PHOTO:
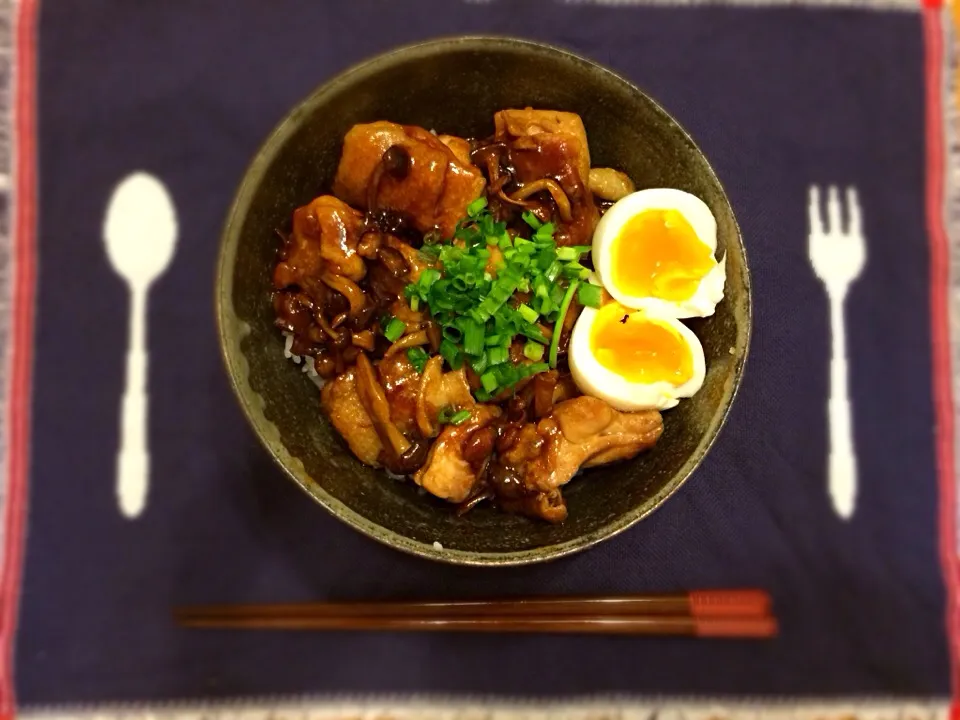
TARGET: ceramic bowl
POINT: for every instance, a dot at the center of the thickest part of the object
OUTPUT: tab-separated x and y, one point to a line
454	85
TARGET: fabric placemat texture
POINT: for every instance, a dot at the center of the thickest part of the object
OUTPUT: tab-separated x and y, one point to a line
781	97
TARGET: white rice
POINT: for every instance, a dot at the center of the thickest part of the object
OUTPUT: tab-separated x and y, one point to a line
437	545
308	366
287	345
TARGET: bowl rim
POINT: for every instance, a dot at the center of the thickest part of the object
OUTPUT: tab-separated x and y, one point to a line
223	305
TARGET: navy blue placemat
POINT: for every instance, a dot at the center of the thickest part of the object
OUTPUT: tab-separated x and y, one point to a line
778	98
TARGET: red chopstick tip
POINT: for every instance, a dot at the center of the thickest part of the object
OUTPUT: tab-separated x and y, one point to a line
731	627
729	603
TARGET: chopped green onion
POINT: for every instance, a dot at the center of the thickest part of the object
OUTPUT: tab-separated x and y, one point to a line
533	350
507	374
545	258
418	358
428	277
472	337
481	312
554	270
574	270
496	355
530	219
543	305
431	251
533	332
544	232
479	363
535	368
564	306
452	333
527	247
556	295
590	295
528	313
451	354
447	416
474	208
459	416
394	329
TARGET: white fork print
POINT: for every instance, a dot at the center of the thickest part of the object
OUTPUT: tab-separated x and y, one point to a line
837	257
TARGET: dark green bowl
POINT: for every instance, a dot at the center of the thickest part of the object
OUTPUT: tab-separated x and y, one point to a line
454	86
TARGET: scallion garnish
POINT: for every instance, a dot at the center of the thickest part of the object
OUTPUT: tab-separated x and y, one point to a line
564	306
459	416
418	358
472	337
533	350
394	329
528	313
590	295
474	208
471	295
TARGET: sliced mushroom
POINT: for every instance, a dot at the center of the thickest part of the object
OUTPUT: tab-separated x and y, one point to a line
349	289
407	341
556	192
374	400
363	339
431	374
610	184
415	260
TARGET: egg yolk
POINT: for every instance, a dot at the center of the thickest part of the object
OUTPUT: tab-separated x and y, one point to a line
638	348
658	254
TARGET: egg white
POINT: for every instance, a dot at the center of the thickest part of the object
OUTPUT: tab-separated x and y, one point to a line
710	290
595	379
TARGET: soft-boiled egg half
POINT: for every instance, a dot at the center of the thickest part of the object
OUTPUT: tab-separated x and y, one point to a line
635	359
654	250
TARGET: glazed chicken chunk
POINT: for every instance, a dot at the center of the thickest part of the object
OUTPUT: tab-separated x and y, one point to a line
459	456
324	241
538	458
341	403
403	168
568	127
584	431
550	153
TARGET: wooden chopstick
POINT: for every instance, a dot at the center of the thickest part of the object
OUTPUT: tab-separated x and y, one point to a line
719	627
714	613
702	603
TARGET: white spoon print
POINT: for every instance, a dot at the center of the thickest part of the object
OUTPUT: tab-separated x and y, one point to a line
140	233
